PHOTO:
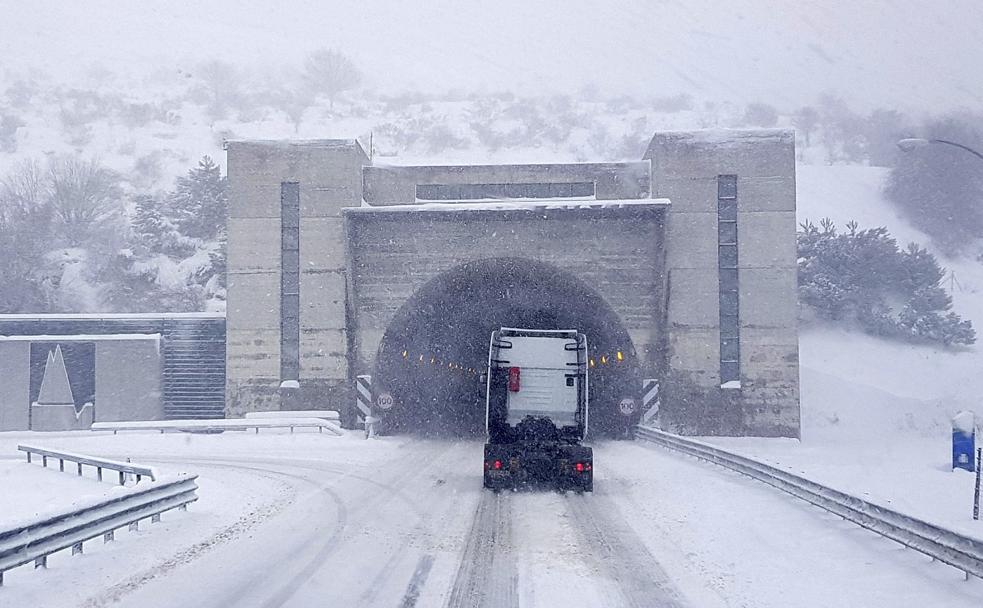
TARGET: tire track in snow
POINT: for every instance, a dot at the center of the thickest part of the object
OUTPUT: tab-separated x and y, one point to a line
487	575
399	476
621	553
246	522
435	524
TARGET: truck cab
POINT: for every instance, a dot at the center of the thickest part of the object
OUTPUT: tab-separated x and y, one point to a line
537	410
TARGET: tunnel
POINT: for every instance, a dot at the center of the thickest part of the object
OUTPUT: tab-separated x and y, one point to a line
434	353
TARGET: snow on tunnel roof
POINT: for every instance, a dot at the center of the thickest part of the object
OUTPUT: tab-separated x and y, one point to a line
513	205
109	316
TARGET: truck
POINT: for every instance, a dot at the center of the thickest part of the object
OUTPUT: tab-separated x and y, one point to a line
537	410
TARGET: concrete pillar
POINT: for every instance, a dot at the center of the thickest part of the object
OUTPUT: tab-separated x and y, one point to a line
685	167
330	176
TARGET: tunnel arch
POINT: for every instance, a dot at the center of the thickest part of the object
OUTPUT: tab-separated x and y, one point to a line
433	353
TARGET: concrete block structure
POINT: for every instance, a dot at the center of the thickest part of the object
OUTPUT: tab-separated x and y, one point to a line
63	372
680	267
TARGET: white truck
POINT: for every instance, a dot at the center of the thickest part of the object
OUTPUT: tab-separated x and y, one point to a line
537	410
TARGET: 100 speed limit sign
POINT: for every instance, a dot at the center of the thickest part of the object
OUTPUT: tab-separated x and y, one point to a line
384	401
627	406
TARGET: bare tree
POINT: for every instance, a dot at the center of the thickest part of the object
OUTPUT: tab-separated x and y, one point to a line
222	84
86	199
806	120
25	229
331	72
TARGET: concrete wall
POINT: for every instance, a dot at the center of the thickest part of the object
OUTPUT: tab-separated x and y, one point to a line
660	275
387	185
15	385
330	177
685	167
617	252
128	381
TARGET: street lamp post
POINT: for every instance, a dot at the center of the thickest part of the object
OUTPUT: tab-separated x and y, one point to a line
911	143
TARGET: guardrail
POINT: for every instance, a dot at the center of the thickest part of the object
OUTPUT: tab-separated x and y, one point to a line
957	550
219	424
99	463
36	541
280	414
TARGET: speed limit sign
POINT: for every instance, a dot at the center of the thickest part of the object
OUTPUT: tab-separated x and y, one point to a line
384	401
627	406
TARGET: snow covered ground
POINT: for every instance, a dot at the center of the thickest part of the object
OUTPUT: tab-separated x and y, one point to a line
876	414
305	520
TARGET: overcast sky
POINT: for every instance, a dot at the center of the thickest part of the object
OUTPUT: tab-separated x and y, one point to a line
914	55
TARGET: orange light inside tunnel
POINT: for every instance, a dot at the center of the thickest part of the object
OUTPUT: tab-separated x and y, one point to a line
592	362
604	359
620	356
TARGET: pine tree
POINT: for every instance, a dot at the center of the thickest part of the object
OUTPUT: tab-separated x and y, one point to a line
854	276
199	202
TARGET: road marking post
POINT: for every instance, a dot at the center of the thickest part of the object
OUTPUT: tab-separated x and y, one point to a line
363	401
976	493
650	399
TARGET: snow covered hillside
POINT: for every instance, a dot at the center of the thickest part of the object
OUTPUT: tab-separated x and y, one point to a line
903	54
876	414
845	193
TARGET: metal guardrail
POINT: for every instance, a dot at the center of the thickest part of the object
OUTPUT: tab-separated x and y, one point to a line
99	463
280	414
957	550
36	541
219	424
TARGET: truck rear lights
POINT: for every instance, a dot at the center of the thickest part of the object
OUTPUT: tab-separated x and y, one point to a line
497	465
514	379
582	467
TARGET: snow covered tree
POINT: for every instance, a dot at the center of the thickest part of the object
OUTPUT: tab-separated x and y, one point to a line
175	261
861	277
199	202
331	72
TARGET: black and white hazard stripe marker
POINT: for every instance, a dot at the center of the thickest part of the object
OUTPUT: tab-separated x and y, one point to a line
650	399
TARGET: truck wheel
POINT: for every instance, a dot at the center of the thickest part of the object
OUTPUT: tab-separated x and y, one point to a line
588	485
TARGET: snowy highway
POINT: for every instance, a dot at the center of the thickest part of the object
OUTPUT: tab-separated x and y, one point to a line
304	520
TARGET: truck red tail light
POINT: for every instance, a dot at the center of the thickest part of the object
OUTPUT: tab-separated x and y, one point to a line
497	465
514	379
582	467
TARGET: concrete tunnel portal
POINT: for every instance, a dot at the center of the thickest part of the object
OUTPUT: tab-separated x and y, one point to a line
433	355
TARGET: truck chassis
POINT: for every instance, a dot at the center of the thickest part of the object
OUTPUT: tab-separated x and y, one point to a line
567	467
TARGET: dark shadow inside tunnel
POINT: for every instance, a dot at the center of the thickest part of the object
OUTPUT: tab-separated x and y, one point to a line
433	355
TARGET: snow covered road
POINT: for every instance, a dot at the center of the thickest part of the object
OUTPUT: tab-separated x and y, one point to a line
302	521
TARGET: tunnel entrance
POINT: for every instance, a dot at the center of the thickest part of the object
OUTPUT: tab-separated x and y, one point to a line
433	355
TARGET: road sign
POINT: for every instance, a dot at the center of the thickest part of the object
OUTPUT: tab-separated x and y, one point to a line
384	401
627	406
